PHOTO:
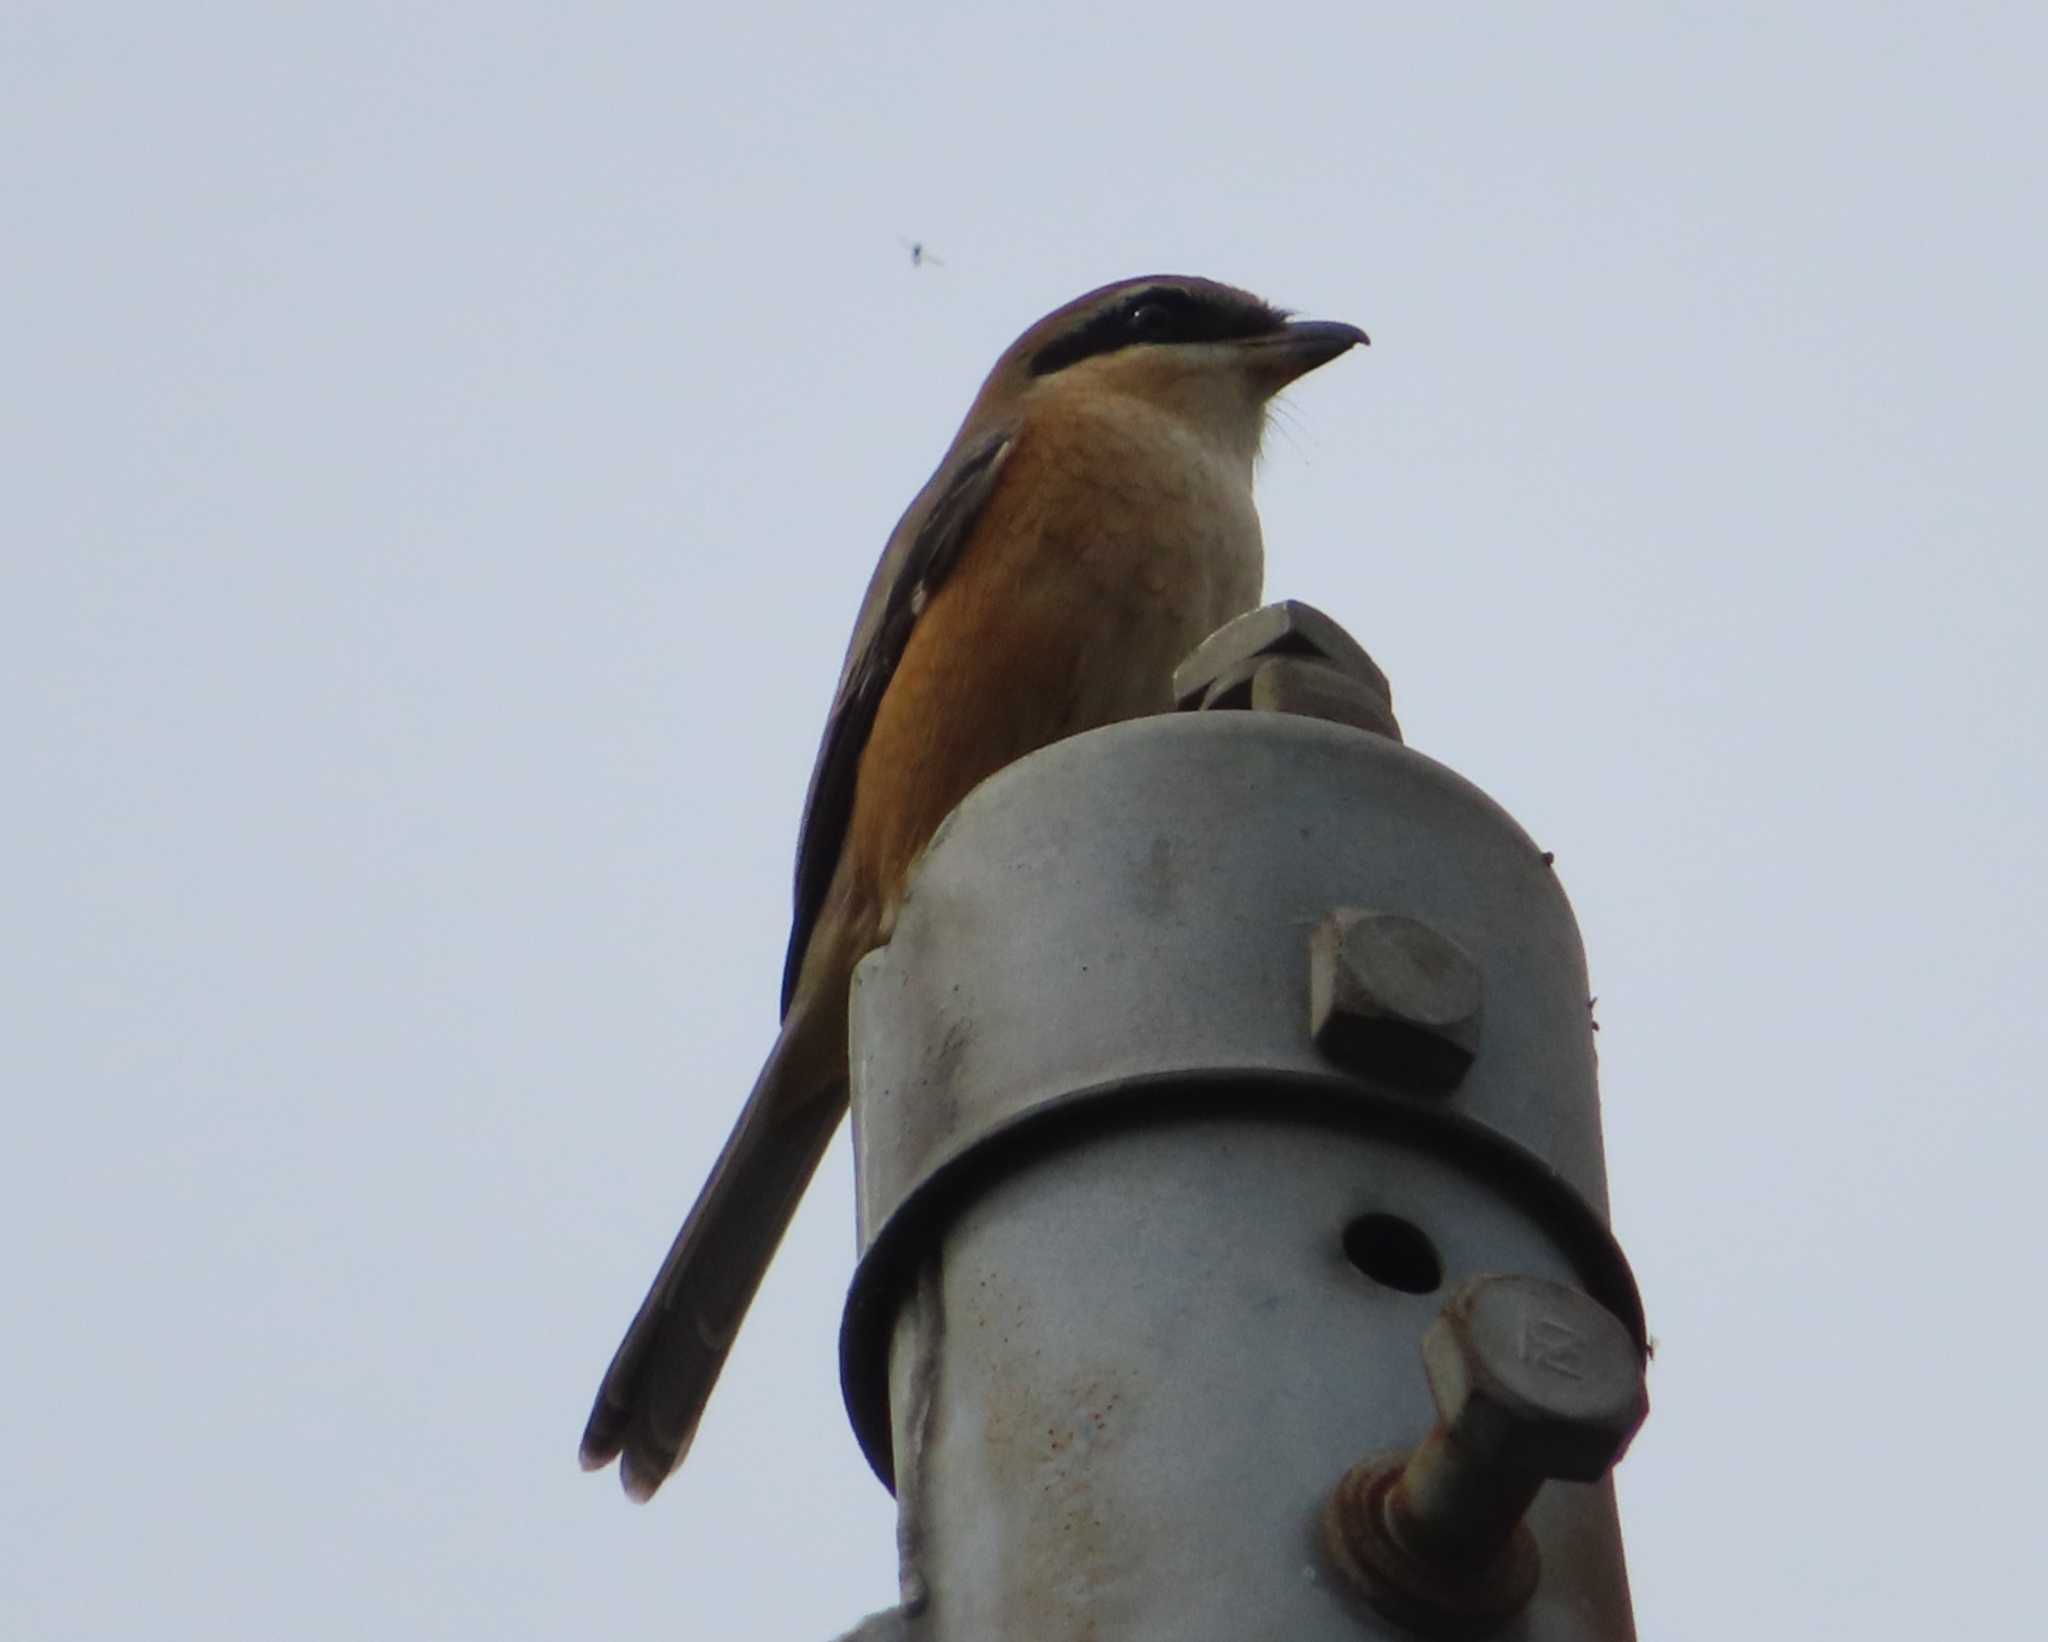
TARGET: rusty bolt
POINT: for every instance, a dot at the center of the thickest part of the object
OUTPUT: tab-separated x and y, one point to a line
1287	658
1532	1381
1391	998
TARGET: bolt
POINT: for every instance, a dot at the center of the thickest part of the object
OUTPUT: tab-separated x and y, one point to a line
1532	1381
1391	998
1287	658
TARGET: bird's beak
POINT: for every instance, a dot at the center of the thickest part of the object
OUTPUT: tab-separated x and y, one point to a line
1285	355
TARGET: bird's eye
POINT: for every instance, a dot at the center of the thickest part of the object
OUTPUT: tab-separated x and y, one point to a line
1149	321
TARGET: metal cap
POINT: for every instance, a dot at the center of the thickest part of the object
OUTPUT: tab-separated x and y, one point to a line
1124	922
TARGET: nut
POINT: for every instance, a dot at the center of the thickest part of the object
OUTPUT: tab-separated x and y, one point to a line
1291	658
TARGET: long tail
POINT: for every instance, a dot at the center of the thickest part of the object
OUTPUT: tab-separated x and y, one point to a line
654	1393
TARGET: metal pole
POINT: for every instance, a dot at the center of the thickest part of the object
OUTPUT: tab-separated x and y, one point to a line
1233	1213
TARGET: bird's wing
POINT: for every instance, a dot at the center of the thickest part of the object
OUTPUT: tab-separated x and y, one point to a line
921	553
660	1378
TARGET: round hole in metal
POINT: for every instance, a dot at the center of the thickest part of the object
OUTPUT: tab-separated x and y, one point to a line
1394	1252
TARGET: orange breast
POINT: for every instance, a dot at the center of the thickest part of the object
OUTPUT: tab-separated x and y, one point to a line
1099	561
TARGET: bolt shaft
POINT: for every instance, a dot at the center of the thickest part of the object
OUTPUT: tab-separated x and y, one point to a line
1454	1502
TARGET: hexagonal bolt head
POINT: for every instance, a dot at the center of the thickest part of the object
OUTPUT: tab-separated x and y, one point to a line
1533	1377
1287	658
1392	999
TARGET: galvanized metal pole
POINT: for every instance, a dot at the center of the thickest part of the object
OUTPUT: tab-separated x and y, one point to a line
1233	1214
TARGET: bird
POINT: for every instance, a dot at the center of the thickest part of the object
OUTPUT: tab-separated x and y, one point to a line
919	256
1091	522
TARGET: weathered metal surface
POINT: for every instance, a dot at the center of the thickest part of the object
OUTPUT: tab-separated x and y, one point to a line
1137	903
1104	1335
1141	1361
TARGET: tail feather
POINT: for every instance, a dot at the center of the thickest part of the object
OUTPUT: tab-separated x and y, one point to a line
654	1393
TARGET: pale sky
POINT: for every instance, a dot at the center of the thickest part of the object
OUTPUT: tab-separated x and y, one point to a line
445	448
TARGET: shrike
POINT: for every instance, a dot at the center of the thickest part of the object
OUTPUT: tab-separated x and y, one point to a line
1090	524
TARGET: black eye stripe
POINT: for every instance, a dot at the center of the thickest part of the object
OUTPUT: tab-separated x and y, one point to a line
1156	314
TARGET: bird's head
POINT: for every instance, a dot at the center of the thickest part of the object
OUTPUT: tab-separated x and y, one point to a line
1209	354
